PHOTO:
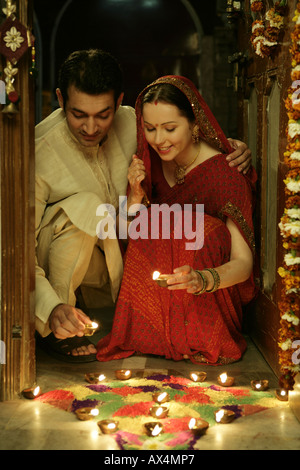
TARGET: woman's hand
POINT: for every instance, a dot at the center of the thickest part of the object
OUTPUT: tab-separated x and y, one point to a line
185	277
136	174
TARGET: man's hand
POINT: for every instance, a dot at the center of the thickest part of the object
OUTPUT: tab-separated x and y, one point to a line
241	156
66	321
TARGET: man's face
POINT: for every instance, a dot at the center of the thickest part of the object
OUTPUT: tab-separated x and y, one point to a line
89	117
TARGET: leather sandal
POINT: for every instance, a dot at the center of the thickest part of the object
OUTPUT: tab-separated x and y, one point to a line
61	349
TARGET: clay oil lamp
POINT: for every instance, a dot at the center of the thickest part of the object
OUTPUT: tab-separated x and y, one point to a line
153	429
89	330
108	426
224	416
123	374
198	426
260	385
160	279
86	413
196	376
225	381
32	392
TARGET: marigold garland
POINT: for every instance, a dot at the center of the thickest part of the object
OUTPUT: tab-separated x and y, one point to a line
289	330
267	27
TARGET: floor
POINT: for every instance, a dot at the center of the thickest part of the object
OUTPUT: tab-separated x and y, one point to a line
30	425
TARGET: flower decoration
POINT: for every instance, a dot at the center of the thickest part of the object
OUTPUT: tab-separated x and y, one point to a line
266	28
256	6
13	39
10	10
289	226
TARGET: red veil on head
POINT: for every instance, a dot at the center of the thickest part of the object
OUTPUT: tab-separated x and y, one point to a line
210	130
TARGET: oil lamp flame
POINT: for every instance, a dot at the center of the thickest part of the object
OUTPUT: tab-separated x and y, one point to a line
156	430
223	377
192	423
36	391
108	426
161	396
111	426
219	415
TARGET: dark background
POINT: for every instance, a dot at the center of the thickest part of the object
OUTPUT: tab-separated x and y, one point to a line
150	38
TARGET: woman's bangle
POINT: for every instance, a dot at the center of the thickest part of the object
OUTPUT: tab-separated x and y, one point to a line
216	277
204	283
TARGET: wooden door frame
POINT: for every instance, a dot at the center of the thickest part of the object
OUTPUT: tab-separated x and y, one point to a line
17	229
262	332
260	73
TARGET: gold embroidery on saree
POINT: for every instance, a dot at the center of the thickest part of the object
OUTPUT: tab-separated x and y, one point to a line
237	215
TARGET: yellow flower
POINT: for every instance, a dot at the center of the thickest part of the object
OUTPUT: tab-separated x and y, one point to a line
282	272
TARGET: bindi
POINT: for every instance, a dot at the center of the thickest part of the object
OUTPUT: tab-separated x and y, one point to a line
155	102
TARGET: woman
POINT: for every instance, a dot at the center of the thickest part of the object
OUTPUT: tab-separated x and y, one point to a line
182	160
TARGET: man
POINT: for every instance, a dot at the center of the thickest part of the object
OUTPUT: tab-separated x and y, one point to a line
83	151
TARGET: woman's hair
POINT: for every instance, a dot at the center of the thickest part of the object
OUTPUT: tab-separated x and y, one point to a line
91	71
170	94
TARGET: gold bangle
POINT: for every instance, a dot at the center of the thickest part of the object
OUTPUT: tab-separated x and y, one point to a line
204	283
216	277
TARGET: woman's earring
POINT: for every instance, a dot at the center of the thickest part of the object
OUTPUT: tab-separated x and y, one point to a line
196	134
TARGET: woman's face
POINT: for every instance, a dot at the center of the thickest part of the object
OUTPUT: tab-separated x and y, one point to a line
167	131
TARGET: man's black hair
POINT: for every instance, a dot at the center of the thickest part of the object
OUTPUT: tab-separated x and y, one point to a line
91	71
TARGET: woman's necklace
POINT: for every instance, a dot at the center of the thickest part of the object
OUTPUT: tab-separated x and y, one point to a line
179	172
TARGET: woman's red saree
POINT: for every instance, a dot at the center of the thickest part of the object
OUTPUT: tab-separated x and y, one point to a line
153	320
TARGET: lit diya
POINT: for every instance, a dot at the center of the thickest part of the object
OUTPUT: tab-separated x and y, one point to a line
95	378
225	381
224	416
153	429
89	330
198	376
161	397
123	374
158	411
86	413
260	385
161	279
282	394
108	426
32	392
198	426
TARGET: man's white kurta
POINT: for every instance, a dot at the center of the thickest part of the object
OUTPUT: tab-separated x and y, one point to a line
77	179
